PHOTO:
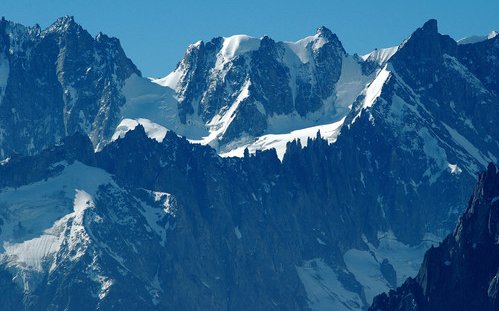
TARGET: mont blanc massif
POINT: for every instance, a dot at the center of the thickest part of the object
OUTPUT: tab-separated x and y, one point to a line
258	175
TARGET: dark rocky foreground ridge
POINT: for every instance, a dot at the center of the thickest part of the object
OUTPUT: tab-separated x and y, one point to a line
462	273
170	218
234	233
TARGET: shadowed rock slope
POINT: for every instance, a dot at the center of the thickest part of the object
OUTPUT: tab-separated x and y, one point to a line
462	273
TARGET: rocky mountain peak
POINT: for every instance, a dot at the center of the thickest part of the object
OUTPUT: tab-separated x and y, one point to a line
267	40
426	42
324	31
68	78
430	26
267	47
328	36
195	46
64	24
101	37
480	223
462	273
423	53
428	30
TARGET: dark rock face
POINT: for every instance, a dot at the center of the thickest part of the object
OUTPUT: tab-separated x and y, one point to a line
388	272
196	62
232	239
233	233
253	219
60	81
452	81
426	120
461	273
481	58
240	227
423	53
25	170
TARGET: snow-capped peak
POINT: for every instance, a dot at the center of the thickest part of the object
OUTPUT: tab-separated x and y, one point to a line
476	39
153	130
325	32
303	47
299	48
236	45
493	34
298	65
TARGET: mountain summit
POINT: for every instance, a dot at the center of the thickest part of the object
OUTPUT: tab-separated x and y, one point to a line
240	87
56	82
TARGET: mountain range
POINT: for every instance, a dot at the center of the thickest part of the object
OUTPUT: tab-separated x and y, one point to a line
288	175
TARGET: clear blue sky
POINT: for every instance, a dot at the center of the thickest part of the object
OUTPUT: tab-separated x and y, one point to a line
155	33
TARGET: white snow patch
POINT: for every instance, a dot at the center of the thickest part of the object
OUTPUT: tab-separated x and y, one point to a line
324	290
320	241
219	123
78	239
381	56
362	179
106	284
155	217
4	161
454	169
299	48
237	233
471	39
366	269
303	48
153	130
467	146
35	215
236	45
279	141
82	201
405	259
373	90
476	39
166	198
146	100
350	85
30	254
171	80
